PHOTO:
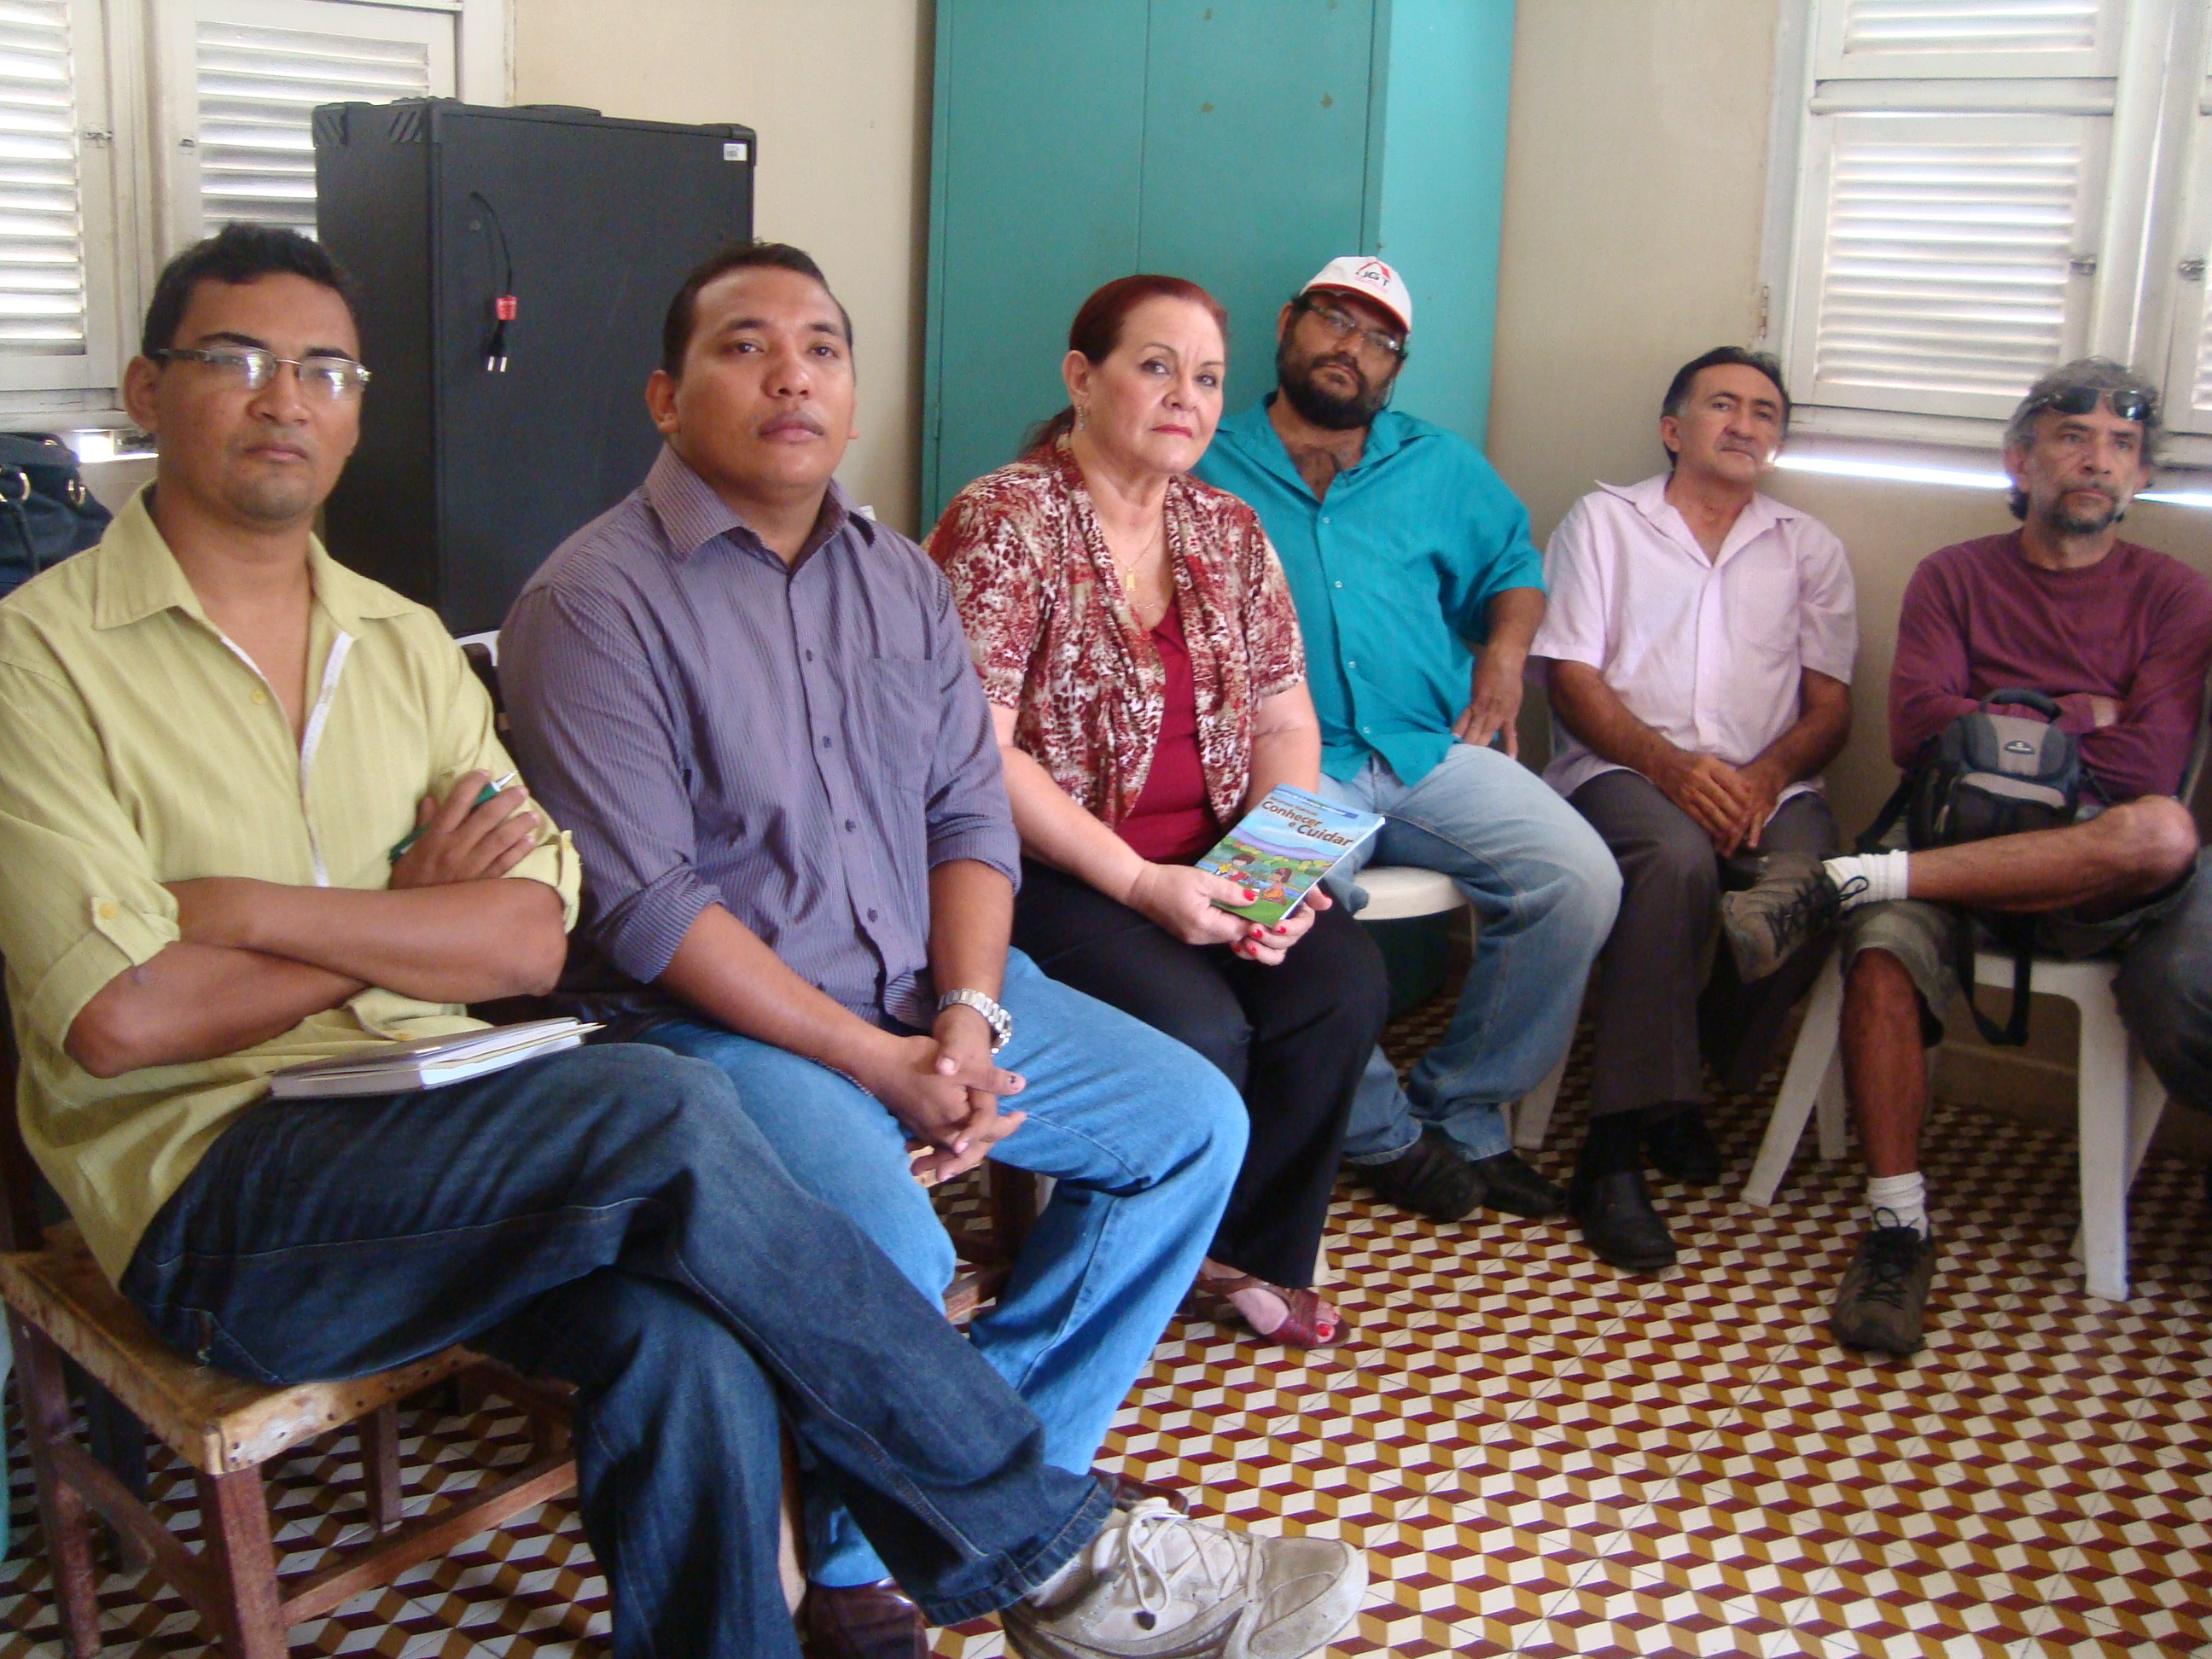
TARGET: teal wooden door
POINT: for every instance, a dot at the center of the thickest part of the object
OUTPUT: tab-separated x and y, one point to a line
1035	174
1077	140
1255	155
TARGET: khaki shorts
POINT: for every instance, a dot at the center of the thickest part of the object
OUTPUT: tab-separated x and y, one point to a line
1927	939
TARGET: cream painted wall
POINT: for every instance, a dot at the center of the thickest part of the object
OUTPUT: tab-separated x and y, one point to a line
839	92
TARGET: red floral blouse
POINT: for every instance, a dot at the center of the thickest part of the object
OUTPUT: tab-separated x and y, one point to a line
1056	640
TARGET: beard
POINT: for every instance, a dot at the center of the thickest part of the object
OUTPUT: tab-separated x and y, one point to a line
1327	409
2060	518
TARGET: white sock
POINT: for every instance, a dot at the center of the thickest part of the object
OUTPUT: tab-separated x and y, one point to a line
1898	1201
1884	875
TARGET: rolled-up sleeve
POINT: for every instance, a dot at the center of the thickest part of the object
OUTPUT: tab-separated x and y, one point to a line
1827	606
603	751
1575	628
968	816
469	742
79	903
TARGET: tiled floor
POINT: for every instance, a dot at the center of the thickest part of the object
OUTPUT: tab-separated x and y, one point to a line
1542	1456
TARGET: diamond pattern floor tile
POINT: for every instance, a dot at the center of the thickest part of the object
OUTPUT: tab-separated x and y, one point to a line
1541	1455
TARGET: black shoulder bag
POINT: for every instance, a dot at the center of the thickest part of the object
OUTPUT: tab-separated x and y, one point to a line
45	512
1988	773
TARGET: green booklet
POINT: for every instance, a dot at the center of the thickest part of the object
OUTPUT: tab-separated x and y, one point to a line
1283	845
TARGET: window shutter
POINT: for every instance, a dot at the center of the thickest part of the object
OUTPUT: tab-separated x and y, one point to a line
1976	38
42	252
1946	259
258	87
1916	26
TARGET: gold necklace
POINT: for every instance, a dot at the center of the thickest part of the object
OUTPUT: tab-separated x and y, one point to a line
1129	572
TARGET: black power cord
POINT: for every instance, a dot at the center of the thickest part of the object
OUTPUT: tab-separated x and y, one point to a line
504	304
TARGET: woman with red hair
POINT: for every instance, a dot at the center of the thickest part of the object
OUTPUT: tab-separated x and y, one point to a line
1138	645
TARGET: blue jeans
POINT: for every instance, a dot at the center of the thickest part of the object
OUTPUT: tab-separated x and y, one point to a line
1544	889
610	1216
1144	1139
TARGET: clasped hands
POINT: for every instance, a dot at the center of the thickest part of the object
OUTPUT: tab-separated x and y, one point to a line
458	840
944	1090
1730	803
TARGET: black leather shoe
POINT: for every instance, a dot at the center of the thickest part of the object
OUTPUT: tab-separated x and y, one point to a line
864	1621
1429	1177
1511	1186
1682	1148
1620	1225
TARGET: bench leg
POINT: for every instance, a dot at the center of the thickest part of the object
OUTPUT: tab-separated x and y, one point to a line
379	1467
234	1519
67	1519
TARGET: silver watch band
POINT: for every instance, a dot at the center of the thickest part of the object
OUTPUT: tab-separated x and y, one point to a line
1000	1021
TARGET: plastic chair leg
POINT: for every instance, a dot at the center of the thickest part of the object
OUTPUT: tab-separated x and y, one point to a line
1810	1063
2105	1134
1532	1118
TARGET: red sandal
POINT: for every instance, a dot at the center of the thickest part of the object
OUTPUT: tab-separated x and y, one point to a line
1311	1323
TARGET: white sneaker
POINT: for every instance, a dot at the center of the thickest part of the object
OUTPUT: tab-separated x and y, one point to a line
1157	1585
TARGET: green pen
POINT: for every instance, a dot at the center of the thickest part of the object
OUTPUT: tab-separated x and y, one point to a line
489	792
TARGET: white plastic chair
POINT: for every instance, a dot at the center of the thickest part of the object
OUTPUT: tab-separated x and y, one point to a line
1400	892
2120	1101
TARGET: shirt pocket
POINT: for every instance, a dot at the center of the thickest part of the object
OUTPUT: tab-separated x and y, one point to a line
1763	610
900	701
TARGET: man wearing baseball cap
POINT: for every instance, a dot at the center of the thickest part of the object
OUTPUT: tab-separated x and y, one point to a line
1419	590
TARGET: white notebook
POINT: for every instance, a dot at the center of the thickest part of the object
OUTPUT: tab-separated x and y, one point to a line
427	1062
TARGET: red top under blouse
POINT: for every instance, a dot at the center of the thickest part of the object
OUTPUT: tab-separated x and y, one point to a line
1173	821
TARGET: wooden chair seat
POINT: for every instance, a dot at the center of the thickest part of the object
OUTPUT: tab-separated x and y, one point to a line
214	1421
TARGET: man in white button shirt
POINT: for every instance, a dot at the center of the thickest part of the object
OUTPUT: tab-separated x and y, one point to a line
1698	648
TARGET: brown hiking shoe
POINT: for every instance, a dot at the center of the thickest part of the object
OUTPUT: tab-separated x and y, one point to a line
1793	900
1885	1292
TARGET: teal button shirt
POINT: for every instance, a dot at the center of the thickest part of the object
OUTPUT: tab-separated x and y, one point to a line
1392	574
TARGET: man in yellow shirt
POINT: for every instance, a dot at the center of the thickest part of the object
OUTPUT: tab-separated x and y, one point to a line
212	739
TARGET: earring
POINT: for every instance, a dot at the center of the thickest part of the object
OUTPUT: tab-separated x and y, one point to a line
1079	415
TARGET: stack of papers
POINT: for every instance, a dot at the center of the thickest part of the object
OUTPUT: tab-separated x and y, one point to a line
427	1062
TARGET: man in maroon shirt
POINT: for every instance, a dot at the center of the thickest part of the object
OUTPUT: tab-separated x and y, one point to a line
2120	636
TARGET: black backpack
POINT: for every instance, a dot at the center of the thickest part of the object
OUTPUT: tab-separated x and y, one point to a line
1984	774
45	512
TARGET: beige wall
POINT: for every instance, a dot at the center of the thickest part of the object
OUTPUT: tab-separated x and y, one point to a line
839	93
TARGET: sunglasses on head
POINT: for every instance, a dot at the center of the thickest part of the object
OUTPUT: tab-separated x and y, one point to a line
2128	403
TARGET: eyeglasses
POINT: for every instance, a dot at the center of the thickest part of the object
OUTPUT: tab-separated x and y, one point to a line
2128	403
330	378
1344	326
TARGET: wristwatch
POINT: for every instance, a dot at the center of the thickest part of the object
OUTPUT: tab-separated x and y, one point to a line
1000	1021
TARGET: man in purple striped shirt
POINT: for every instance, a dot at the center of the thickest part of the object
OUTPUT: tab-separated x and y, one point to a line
754	709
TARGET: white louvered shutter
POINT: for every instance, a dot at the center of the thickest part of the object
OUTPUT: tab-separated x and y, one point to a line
2188	371
249	75
1952	200
1946	280
42	242
1972	39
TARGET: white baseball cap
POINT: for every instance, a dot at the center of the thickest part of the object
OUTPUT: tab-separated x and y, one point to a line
1364	274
